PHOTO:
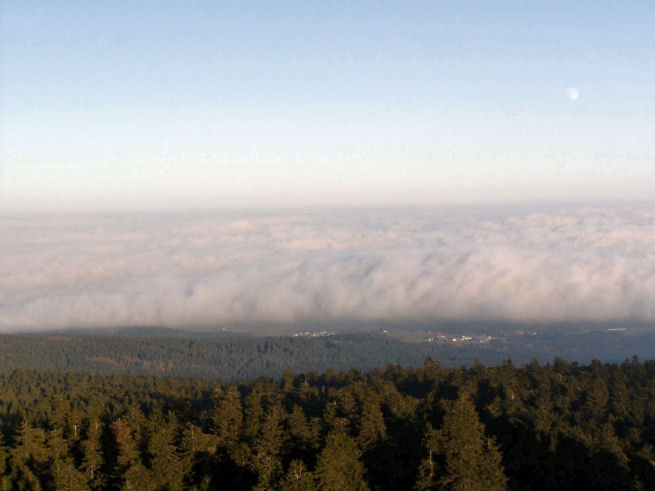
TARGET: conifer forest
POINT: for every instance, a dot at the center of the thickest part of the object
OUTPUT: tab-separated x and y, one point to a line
558	425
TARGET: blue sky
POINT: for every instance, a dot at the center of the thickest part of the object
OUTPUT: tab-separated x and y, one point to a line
160	105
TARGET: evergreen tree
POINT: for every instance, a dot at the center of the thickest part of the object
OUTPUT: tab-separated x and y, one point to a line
303	438
267	448
166	464
460	456
298	478
28	459
130	467
92	460
4	470
254	414
371	425
338	466
62	468
197	454
227	418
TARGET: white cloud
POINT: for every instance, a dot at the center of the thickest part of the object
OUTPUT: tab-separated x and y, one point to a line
537	264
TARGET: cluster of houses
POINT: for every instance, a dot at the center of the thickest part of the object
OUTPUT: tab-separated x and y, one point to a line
461	338
313	334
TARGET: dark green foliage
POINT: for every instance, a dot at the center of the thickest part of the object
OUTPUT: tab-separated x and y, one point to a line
339	466
92	460
298	478
460	456
559	426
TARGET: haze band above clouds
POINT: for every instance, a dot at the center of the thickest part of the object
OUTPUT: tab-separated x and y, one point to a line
535	265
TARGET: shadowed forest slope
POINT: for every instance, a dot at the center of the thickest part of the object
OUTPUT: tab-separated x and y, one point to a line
238	358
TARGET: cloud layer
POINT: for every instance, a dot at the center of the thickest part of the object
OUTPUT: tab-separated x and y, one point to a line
535	264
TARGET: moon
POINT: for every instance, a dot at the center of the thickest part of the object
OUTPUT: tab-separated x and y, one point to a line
572	93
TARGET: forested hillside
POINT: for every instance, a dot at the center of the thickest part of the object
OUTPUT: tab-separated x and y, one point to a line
559	426
239	358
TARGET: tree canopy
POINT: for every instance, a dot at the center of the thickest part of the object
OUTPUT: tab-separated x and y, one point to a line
554	426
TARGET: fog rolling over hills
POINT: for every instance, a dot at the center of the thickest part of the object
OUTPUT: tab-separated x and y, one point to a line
537	264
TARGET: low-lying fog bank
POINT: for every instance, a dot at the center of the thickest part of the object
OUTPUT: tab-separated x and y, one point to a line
527	264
